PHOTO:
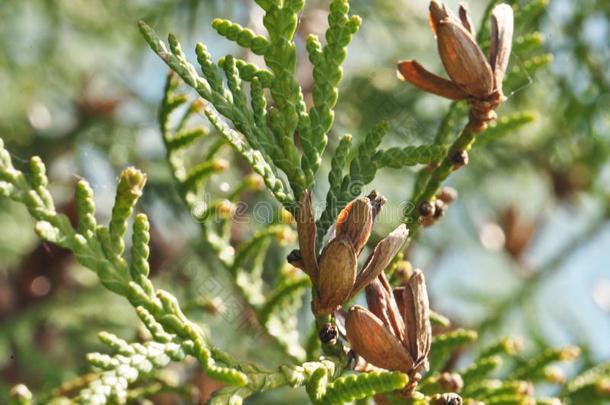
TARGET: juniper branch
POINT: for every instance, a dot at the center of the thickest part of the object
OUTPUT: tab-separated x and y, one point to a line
246	282
102	252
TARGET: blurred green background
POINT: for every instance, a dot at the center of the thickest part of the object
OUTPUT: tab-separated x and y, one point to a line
524	251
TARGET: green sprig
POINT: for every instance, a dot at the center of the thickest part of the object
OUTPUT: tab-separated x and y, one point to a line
397	157
327	74
244	37
102	252
363	385
443	345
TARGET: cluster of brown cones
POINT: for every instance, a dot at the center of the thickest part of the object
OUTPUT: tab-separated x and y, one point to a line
394	333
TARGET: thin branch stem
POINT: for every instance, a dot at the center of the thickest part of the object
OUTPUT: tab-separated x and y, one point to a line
430	186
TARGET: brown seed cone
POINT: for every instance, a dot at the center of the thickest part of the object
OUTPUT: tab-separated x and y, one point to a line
337	274
381	257
463	59
501	41
418	76
474	76
355	222
369	337
466	21
380	303
412	302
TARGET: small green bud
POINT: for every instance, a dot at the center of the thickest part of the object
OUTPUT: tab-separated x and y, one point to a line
39	176
130	188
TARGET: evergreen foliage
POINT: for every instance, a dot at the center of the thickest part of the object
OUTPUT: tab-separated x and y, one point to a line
261	115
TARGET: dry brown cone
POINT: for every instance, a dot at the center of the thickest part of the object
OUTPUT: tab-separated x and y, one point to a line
394	333
334	273
473	76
